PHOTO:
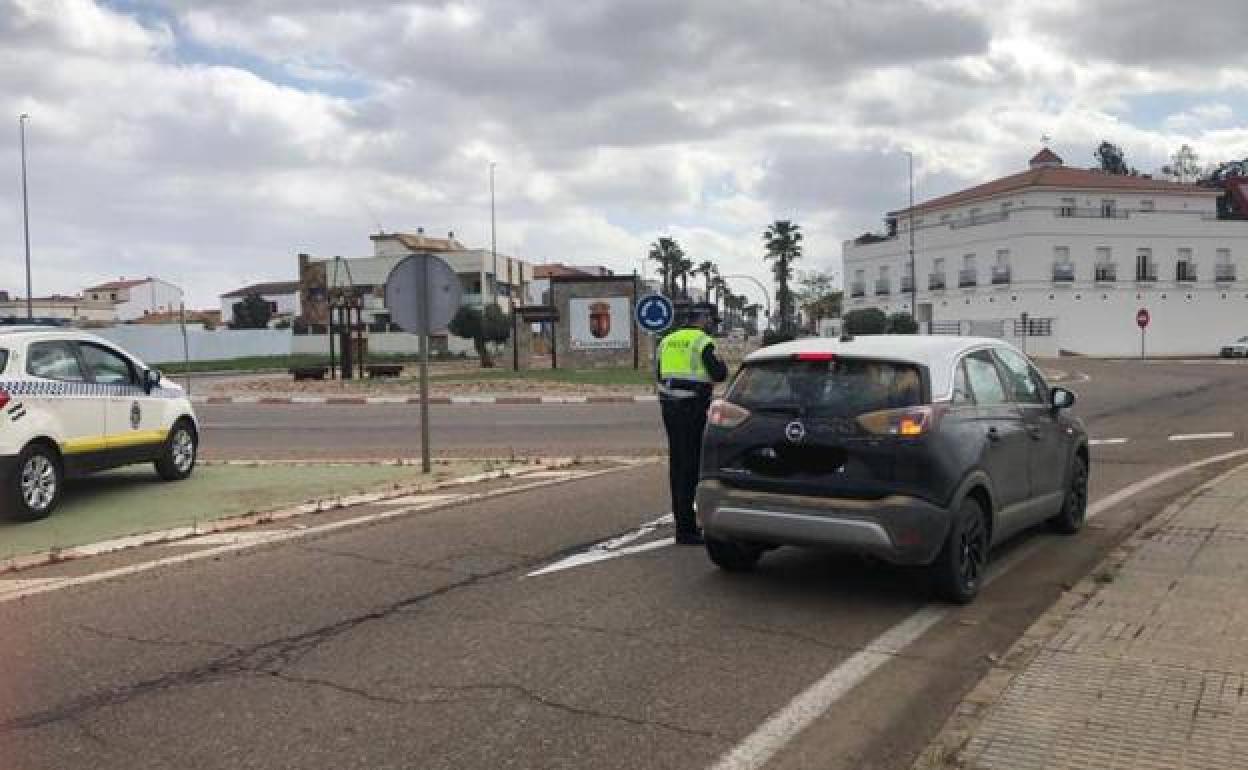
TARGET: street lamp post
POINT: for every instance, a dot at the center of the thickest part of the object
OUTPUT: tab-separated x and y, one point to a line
914	279
21	129
493	240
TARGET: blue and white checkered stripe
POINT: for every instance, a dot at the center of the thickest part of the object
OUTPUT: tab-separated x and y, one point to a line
56	389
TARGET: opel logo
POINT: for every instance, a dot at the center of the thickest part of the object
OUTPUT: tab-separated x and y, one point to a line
795	432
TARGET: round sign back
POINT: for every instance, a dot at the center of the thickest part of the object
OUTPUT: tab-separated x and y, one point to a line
417	281
1142	318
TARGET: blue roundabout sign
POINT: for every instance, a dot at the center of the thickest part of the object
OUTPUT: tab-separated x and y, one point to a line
655	313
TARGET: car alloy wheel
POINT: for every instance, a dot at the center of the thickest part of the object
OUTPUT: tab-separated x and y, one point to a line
39	483
182	449
972	553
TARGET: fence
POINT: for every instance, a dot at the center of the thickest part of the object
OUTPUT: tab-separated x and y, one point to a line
1037	336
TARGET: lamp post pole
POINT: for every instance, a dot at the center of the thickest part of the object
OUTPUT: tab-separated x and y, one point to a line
493	240
914	279
21	129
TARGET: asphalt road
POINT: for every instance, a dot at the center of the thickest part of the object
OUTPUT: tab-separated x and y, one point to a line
422	642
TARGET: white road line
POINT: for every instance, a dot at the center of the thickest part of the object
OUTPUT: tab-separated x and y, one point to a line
611	549
1200	436
1106	441
786	724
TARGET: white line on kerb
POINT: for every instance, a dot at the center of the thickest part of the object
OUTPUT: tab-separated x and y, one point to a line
1200	436
1106	441
786	724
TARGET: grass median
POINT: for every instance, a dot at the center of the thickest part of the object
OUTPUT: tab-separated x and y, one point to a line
134	501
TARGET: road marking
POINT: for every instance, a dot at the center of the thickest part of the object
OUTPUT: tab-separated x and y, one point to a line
786	724
57	584
17	586
611	549
244	537
1200	436
1106	441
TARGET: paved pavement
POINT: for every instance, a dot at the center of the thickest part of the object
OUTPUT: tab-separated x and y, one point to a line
1141	665
421	637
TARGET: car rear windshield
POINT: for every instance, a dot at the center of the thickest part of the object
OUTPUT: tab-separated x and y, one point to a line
844	387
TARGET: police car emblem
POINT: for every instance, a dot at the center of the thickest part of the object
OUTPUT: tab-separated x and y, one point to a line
136	415
795	432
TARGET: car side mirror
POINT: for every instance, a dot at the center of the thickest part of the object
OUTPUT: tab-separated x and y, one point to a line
1060	398
151	379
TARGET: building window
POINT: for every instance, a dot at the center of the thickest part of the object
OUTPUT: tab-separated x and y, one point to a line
1106	270
1184	267
1063	268
945	217
1224	271
1003	258
1109	208
1145	270
1067	208
1147	206
969	275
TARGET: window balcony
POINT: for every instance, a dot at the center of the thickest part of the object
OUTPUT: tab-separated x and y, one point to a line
979	219
1185	272
1000	276
1090	213
1146	274
936	282
1107	272
1063	272
968	278
1225	273
882	288
907	284
858	290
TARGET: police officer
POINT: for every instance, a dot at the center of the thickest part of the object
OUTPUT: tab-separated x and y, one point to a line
687	368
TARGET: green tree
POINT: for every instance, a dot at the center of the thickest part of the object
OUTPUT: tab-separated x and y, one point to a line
252	312
1111	159
902	323
669	256
483	328
709	272
817	297
868	320
783	240
684	267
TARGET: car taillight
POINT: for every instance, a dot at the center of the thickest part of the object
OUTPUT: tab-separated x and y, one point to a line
814	356
4	398
725	414
911	422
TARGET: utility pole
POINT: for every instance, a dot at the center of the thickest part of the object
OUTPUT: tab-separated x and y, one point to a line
21	129
914	279
493	239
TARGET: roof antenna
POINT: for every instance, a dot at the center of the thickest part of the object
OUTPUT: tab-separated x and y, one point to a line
373	216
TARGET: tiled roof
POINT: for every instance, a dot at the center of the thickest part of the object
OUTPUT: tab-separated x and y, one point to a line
1045	157
1061	178
421	242
272	287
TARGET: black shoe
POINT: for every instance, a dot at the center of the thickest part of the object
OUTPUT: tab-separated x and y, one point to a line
690	538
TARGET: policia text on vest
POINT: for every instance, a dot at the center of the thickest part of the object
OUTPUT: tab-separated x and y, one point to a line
687	371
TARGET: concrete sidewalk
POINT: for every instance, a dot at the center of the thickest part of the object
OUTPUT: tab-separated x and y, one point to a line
1144	664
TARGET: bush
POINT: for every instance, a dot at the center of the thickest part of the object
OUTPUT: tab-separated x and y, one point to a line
774	337
866	321
483	328
902	323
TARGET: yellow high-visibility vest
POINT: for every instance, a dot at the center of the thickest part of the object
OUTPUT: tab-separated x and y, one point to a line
680	356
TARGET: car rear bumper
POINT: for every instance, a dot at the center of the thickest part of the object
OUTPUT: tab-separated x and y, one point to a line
8	466
898	529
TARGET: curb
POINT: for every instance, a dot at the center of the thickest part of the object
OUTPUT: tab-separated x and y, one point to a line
230	523
440	401
946	748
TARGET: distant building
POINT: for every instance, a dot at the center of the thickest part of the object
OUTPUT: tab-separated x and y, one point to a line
136	298
1077	252
61	308
539	289
320	277
282	296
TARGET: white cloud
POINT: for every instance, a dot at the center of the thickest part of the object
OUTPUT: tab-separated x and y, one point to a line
210	141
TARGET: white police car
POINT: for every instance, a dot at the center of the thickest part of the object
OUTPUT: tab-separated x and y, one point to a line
72	403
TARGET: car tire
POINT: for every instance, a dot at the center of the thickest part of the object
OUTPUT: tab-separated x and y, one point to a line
1075	504
178	455
36	486
733	556
958	571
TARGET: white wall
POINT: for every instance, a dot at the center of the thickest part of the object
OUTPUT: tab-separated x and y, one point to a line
163	344
388	342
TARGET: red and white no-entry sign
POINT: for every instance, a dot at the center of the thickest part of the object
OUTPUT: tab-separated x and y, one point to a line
1142	318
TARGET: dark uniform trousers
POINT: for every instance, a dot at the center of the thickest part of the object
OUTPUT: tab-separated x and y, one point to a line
685	421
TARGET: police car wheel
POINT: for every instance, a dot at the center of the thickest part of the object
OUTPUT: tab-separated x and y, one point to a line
36	484
177	458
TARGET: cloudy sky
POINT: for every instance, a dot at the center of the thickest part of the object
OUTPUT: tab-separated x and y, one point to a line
209	141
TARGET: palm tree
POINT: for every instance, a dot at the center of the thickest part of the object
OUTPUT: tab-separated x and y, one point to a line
683	268
707	269
667	252
783	240
719	285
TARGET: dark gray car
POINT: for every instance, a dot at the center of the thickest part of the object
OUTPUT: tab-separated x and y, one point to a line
918	450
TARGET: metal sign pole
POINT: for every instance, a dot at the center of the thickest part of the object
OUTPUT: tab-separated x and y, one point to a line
425	463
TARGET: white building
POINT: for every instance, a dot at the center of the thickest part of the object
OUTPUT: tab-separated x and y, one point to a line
78	309
282	296
1080	252
136	298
